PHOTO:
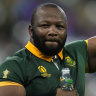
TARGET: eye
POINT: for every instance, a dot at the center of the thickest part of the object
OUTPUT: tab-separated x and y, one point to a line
60	27
44	25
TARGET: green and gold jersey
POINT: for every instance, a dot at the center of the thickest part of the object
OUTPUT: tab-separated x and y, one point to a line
40	77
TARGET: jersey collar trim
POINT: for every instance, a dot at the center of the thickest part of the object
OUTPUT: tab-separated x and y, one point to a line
39	54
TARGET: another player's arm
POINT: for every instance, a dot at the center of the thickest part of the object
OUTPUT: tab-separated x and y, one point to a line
12	90
92	54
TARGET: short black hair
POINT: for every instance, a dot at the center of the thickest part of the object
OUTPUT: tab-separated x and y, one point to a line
44	5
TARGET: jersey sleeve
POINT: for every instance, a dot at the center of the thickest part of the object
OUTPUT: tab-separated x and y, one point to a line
11	73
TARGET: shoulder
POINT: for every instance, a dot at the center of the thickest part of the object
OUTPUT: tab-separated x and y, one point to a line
15	64
77	48
76	45
16	58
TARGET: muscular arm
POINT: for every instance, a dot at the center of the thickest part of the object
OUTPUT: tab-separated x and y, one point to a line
12	91
92	54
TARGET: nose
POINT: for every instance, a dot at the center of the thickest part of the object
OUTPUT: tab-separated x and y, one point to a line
52	31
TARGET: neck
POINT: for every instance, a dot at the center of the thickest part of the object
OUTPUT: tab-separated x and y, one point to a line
32	41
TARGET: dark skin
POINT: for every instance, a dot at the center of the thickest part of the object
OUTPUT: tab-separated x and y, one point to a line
50	24
50	29
92	54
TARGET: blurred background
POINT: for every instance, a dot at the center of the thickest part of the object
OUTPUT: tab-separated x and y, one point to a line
15	16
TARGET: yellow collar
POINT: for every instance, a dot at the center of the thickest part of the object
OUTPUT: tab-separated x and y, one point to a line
39	54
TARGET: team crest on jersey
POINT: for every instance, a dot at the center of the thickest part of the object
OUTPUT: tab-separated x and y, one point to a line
43	71
70	61
5	73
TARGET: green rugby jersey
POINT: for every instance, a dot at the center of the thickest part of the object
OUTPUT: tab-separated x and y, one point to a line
40	77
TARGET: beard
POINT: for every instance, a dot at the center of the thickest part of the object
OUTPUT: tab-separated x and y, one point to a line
49	51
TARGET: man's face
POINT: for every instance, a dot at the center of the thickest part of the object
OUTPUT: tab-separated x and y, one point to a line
49	30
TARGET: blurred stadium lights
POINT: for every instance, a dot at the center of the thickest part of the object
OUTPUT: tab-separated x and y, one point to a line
20	32
2	14
90	11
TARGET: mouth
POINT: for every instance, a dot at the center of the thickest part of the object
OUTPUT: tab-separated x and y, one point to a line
51	43
52	40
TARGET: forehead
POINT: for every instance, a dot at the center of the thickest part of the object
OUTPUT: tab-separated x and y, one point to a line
50	13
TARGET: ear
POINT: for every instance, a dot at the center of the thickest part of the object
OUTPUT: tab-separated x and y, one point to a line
30	30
